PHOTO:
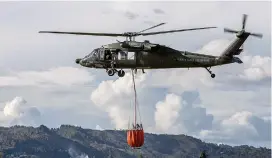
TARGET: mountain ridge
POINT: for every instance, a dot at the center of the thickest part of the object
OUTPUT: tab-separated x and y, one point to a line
67	140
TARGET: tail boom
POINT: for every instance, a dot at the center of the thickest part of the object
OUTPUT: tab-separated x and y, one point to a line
235	47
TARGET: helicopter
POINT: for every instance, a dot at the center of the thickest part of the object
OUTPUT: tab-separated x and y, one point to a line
131	54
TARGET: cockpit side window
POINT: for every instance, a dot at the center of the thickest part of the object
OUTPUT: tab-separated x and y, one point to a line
94	54
101	51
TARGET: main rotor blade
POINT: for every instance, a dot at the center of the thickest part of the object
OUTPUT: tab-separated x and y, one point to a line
152	27
171	31
85	33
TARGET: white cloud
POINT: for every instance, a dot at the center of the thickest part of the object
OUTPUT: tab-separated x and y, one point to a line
97	127
181	115
17	112
257	67
253	126
13	108
240	128
186	116
167	112
238	123
115	97
63	76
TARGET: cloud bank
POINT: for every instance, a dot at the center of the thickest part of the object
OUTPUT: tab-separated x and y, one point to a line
63	76
115	97
18	113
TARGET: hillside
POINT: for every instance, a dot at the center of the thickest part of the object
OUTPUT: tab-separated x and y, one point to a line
70	141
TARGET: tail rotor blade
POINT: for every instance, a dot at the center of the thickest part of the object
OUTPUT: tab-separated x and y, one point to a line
244	21
256	35
230	30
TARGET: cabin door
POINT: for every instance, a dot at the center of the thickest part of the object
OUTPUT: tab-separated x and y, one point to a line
127	59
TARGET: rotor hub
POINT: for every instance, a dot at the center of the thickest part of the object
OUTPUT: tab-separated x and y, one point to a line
240	33
130	34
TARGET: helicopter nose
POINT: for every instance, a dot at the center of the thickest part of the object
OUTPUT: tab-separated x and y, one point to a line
78	60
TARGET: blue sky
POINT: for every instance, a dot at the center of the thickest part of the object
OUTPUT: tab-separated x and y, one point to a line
41	84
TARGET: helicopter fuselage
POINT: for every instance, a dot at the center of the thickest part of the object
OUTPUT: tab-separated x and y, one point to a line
145	55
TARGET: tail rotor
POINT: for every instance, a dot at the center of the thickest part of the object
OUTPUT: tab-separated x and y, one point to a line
242	32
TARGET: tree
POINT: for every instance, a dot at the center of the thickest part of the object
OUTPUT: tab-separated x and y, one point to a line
203	154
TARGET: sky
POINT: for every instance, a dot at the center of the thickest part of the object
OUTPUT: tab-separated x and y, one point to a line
40	83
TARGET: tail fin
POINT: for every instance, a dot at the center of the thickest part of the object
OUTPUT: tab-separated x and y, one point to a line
235	48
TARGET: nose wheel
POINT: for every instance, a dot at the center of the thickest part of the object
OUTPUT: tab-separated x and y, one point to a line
209	70
110	72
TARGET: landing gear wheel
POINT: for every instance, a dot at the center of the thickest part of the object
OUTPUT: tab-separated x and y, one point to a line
111	72
121	73
209	70
213	75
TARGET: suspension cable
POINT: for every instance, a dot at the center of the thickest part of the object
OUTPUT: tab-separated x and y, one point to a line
136	104
139	111
135	98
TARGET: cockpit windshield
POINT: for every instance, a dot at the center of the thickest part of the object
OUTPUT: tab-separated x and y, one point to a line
93	54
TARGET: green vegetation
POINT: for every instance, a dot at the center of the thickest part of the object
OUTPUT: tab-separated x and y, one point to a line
203	154
43	142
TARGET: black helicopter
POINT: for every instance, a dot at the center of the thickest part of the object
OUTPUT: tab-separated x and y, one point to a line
131	54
